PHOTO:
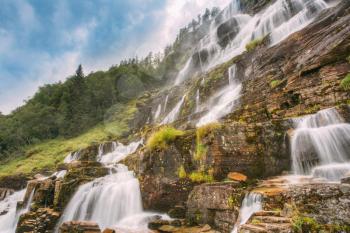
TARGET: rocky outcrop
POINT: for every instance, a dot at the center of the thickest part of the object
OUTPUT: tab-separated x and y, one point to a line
215	204
5	193
41	220
79	227
15	182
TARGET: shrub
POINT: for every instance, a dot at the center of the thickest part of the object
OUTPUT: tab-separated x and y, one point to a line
275	83
345	83
202	132
201	177
253	44
181	172
162	137
302	222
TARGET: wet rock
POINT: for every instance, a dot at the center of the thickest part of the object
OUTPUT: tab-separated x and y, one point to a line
227	31
236	176
42	220
109	231
79	227
5	193
177	212
215	204
15	182
345	180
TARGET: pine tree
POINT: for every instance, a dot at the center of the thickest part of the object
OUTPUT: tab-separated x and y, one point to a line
79	71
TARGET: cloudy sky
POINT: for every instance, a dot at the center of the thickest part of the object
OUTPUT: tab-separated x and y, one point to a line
43	41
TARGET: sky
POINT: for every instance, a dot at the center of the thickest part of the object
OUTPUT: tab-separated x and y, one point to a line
44	41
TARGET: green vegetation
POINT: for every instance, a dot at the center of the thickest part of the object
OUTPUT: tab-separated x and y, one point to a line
301	221
232	201
253	44
161	138
256	221
275	83
201	132
201	177
181	172
345	83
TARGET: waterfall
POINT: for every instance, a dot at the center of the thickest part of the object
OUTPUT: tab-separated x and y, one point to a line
237	29
174	113
165	103
197	101
251	204
157	113
321	146
222	102
119	152
8	221
106	200
113	200
72	157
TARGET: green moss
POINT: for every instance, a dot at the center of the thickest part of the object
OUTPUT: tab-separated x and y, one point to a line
232	201
201	177
345	83
313	109
201	151
201	132
181	172
253	44
255	221
162	137
301	222
275	83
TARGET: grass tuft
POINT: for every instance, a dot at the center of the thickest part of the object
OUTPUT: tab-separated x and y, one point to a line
161	138
275	83
253	44
345	83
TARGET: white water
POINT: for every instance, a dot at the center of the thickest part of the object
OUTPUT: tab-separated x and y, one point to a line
165	103
59	174
106	200
197	101
222	102
326	138
9	220
157	113
278	21
119	152
251	204
112	201
71	157
174	113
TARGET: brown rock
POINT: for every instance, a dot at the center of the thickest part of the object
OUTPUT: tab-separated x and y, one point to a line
80	227
107	230
237	176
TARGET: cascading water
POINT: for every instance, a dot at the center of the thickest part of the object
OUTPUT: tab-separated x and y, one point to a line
93	201
8	221
222	103
174	113
119	190
197	101
251	204
119	152
157	113
278	21
72	157
321	146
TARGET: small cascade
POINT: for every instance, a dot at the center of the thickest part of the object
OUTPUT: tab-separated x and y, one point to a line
72	157
321	146
119	152
251	204
197	101
29	202
232	30
165	103
223	102
183	72
157	113
93	201
8	221
174	113
59	174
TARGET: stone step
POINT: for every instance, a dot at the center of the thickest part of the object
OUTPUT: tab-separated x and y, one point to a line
271	219
268	213
276	227
250	228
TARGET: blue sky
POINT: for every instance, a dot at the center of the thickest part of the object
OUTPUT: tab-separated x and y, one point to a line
43	41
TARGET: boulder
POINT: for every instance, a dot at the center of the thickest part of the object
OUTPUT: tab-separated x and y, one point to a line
42	220
345	180
79	227
236	176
